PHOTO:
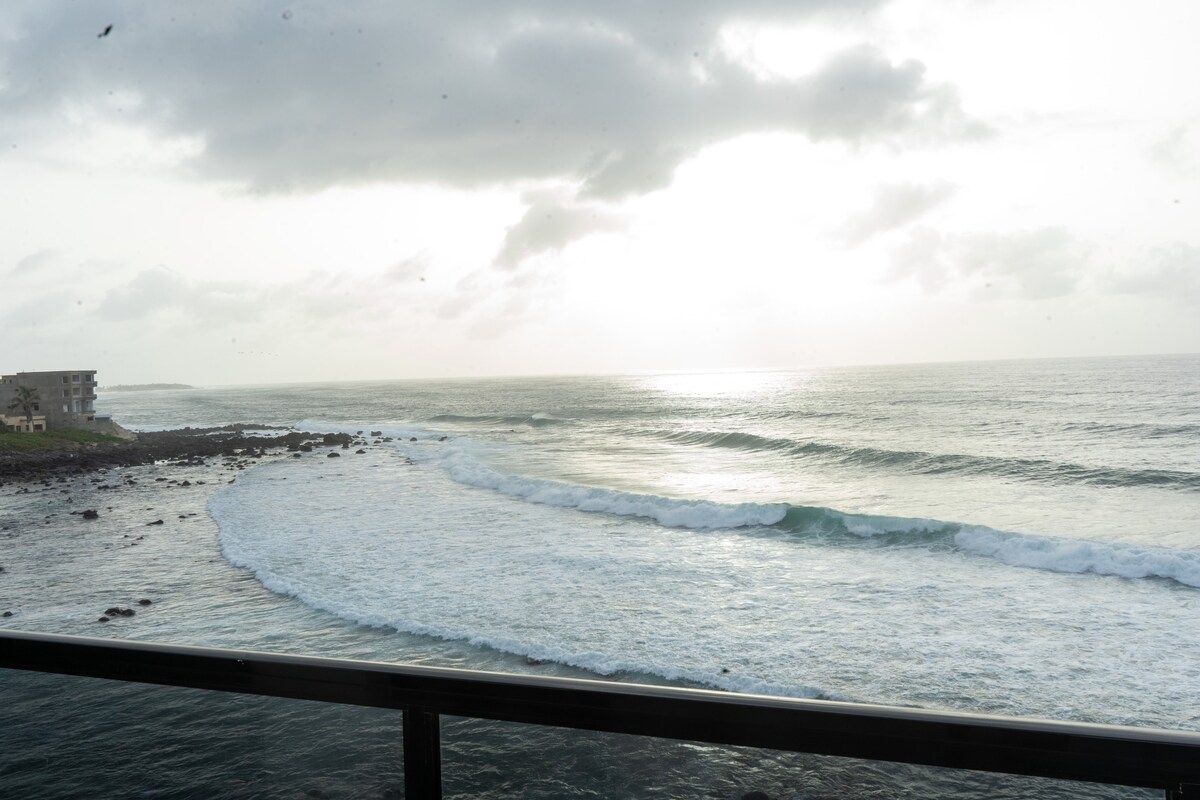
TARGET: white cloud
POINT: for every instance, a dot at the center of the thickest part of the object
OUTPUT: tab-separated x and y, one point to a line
894	205
1033	264
1168	271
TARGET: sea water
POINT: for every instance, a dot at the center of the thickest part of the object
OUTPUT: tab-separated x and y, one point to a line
1019	538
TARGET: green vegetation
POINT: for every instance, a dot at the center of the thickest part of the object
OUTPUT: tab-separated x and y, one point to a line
50	440
25	401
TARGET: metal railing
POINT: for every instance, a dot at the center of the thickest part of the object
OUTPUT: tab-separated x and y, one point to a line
1165	760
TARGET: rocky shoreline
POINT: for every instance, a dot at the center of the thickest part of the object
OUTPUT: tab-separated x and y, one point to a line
128	514
185	445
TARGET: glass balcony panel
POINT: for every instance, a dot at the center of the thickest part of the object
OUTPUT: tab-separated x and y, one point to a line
493	760
67	737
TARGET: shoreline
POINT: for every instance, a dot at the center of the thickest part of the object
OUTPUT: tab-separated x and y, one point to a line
132	515
183	446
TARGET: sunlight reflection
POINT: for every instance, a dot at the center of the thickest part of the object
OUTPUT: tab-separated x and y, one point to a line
725	384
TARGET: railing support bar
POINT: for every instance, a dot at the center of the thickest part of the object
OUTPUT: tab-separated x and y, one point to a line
422	755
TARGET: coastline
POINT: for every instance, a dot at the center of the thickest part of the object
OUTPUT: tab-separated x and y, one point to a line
92	504
184	444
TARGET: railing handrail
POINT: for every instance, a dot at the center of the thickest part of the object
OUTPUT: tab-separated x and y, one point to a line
1047	748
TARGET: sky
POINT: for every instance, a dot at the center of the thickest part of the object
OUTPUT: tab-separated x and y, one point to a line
243	192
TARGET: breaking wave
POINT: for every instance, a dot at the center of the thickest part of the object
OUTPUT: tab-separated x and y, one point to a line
1073	556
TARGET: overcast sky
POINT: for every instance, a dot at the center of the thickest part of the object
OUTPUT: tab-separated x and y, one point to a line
235	191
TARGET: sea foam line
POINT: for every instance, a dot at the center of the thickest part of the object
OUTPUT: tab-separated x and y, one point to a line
1070	556
673	513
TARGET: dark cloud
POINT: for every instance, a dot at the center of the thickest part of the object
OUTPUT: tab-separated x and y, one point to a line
609	97
894	205
1033	264
552	221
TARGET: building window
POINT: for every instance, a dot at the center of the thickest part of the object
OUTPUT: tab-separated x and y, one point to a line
65	379
75	378
37	426
75	391
35	407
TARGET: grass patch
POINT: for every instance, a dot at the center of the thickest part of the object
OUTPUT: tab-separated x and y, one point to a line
50	440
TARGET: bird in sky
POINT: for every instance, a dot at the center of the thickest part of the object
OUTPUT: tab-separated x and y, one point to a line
107	30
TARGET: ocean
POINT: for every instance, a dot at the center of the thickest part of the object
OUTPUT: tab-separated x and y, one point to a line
1017	538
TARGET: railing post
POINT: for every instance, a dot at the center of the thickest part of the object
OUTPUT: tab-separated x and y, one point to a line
422	755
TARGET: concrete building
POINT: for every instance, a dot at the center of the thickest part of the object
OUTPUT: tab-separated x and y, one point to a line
66	399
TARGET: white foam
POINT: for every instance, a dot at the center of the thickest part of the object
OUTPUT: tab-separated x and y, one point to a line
674	513
1079	556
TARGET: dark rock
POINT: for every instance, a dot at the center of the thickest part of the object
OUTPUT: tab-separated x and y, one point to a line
377	433
345	445
294	455
91	513
6	614
306	448
333	455
359	452
102	619
145	602
156	522
186	483
412	438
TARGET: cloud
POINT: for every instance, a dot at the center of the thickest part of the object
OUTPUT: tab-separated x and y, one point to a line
36	263
894	205
552	221
160	291
411	268
604	96
1168	271
1179	150
1034	264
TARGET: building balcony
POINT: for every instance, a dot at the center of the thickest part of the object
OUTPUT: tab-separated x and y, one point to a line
205	722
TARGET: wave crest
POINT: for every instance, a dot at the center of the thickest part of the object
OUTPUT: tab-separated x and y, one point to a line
921	462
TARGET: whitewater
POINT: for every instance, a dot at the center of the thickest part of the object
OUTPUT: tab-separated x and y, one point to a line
1017	538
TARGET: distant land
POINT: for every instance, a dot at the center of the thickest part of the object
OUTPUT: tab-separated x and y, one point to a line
137	387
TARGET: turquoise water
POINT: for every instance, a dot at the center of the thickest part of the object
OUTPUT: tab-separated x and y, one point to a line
1016	537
